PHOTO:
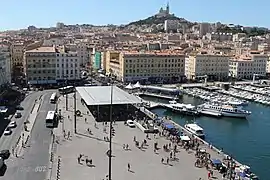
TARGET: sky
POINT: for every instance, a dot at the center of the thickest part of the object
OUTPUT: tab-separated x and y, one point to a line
17	14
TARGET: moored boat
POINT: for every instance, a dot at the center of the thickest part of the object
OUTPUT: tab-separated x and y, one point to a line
195	129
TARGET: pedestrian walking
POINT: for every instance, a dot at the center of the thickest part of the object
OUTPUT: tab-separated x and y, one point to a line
167	160
12	151
162	160
85	120
128	166
68	134
209	174
134	138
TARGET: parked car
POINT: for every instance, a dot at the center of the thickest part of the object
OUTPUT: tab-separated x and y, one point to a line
7	131
131	124
5	154
12	124
19	108
18	115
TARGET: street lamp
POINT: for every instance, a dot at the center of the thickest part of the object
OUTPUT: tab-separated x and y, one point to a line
75	109
110	142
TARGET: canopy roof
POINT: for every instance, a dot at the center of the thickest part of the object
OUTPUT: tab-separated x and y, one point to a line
101	95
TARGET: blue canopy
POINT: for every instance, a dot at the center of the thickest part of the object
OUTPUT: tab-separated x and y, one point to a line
216	161
169	126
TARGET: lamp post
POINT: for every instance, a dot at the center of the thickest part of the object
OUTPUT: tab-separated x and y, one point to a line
66	93
110	138
75	109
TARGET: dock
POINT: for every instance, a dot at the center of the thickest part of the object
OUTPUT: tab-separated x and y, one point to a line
158	95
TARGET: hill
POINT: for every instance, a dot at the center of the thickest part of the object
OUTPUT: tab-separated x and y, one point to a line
157	20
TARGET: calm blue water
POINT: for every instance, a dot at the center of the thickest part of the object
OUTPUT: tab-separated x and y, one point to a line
246	139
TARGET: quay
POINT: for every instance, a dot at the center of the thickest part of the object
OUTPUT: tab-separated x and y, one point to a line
93	145
158	95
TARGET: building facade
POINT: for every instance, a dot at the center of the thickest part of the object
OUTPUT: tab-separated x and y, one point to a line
17	52
5	74
97	61
39	65
244	67
51	65
147	67
214	66
67	66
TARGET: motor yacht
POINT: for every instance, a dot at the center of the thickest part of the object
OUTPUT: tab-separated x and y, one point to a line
226	110
195	129
186	109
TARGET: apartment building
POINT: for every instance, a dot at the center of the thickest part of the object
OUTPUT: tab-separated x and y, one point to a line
39	65
17	51
245	66
67	65
215	66
84	51
5	74
51	65
148	66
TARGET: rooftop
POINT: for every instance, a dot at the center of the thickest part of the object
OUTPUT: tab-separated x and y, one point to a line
101	95
43	49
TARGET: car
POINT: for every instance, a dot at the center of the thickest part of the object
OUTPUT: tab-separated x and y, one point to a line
5	154
12	124
18	115
7	132
19	107
131	124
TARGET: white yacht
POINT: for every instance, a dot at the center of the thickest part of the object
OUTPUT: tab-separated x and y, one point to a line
195	129
226	110
186	109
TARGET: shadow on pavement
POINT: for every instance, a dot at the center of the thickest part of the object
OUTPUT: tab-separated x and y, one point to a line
3	170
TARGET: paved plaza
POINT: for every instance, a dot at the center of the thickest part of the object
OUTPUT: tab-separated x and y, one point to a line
144	164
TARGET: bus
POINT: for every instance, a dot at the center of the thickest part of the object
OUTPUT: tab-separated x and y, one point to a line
66	90
53	98
50	119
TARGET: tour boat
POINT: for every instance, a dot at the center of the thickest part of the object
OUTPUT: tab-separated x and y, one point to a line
226	110
195	129
186	109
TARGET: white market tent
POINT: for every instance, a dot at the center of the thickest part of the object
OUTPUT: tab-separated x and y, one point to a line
137	85
185	138
129	86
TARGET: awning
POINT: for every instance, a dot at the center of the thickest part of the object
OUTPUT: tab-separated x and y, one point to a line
169	126
216	161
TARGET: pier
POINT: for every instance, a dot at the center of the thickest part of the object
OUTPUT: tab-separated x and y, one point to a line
158	95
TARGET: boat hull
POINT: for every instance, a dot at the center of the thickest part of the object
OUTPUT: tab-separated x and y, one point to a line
238	115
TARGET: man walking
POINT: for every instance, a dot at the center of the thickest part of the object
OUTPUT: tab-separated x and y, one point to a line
128	167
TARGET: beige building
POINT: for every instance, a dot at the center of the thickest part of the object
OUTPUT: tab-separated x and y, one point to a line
51	65
16	51
39	65
215	66
148	66
244	67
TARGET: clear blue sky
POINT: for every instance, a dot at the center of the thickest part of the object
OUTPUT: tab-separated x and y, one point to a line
17	14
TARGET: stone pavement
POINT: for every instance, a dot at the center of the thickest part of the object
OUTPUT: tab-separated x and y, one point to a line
26	131
145	164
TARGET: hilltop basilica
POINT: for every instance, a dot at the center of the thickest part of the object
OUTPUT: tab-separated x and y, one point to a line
164	12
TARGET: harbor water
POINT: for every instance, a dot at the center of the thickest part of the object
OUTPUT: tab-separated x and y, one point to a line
246	139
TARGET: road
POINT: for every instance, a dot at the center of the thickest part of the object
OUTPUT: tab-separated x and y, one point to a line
34	163
6	142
